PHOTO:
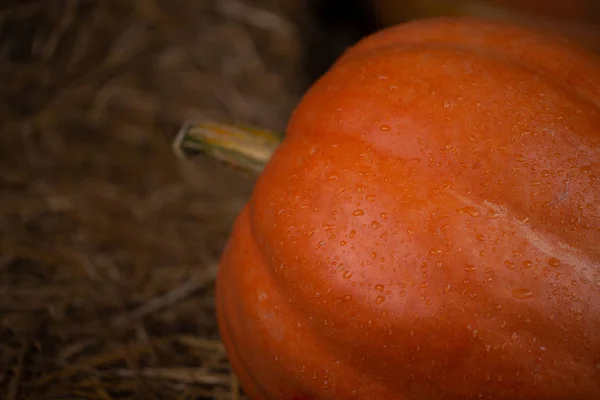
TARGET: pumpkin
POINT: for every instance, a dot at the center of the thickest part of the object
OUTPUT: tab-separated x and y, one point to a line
428	228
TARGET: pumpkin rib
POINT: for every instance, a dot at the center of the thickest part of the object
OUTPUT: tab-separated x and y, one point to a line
241	365
253	387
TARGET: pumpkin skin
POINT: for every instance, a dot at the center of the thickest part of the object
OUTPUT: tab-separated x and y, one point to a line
429	226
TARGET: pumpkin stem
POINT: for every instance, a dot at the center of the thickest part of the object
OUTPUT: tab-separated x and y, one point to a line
240	146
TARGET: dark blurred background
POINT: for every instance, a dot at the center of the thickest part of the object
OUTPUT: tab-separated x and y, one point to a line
109	244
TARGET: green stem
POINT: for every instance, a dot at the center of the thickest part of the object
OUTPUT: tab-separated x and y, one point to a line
240	146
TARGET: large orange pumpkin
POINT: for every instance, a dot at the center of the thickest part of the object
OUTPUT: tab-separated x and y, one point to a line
429	228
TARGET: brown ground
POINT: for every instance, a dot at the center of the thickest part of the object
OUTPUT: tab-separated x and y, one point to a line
109	247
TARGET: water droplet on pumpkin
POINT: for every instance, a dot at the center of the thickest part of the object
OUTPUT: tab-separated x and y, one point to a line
472	211
435	251
527	264
379	287
375	225
352	234
358	212
578	315
370	198
328	227
514	336
545	173
554	262
343	243
347	274
385	128
520	158
509	264
383	215
263	296
379	299
522	293
480	237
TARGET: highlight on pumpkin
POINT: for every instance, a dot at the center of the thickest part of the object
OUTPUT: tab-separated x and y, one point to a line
241	146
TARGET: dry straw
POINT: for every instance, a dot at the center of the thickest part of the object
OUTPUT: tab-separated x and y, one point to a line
108	243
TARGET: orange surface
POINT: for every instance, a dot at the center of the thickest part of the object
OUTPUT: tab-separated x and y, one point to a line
429	227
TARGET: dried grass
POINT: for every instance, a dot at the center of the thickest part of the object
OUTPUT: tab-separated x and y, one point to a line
109	246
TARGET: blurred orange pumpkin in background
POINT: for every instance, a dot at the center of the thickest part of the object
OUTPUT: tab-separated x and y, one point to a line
578	20
429	226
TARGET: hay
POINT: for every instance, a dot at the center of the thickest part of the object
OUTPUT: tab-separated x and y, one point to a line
108	246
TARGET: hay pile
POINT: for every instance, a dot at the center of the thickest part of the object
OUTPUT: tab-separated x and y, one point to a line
109	247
